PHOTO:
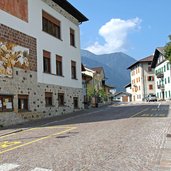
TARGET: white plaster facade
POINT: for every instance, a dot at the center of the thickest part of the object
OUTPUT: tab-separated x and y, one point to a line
162	75
47	42
128	90
141	85
34	83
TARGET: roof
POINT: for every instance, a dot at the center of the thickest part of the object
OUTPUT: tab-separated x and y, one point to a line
128	85
161	50
125	93
82	68
98	69
158	51
71	10
88	72
146	59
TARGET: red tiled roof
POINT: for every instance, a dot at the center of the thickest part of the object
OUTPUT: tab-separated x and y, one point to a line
98	69
146	59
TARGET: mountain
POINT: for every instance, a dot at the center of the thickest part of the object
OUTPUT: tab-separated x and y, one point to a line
115	66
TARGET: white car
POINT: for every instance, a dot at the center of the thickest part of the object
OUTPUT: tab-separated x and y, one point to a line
151	98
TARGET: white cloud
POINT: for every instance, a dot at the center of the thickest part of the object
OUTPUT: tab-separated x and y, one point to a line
115	34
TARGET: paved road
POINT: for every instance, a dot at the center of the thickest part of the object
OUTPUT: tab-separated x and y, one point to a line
113	138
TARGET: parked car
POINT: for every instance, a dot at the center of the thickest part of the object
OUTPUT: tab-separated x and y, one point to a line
151	98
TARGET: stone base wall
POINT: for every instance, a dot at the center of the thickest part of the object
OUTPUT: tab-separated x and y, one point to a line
25	83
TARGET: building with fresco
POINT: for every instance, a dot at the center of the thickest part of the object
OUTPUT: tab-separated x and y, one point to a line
40	64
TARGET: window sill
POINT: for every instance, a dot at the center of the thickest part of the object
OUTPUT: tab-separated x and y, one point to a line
47	73
23	111
73	46
58	75
49	106
74	78
6	111
61	106
53	74
52	35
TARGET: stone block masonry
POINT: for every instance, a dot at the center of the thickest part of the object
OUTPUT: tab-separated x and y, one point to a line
25	83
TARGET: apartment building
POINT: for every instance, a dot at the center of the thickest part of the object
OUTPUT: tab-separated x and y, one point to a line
142	79
162	75
40	64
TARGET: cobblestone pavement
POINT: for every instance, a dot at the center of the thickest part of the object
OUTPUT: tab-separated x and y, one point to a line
108	139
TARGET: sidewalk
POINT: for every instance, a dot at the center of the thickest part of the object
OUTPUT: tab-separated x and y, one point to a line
44	122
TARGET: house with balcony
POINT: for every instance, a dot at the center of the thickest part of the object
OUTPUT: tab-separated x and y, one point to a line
40	63
162	75
87	77
142	79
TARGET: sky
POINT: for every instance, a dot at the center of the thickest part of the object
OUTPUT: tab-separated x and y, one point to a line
134	27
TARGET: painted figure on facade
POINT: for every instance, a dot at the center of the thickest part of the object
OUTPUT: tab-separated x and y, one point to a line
12	55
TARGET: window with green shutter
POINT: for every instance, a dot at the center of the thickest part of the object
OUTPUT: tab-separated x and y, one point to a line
165	81
168	66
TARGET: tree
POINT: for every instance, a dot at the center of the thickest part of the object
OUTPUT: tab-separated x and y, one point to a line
102	94
90	90
167	50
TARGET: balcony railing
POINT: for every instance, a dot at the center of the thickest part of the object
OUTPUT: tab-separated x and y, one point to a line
160	87
159	74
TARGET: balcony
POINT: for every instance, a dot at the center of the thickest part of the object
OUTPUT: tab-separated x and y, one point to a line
160	74
160	87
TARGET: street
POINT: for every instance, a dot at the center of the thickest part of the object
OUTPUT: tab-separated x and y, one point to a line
129	137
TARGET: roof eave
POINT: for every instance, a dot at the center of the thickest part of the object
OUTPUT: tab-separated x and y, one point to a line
71	10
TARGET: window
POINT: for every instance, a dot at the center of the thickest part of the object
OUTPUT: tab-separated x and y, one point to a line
46	62
149	69
149	63
23	102
72	37
61	99
164	68
167	66
168	79
150	87
6	103
75	101
165	81
150	78
48	98
59	65
73	69
51	25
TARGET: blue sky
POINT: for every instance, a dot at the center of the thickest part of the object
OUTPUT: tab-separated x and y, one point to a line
130	26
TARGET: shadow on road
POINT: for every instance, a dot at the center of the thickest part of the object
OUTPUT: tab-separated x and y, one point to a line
106	113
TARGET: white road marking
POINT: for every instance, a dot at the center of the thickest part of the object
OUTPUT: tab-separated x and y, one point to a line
8	167
40	169
158	106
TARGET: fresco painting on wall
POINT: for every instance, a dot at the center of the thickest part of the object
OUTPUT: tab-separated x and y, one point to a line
12	55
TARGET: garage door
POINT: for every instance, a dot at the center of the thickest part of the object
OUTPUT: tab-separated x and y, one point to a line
125	98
